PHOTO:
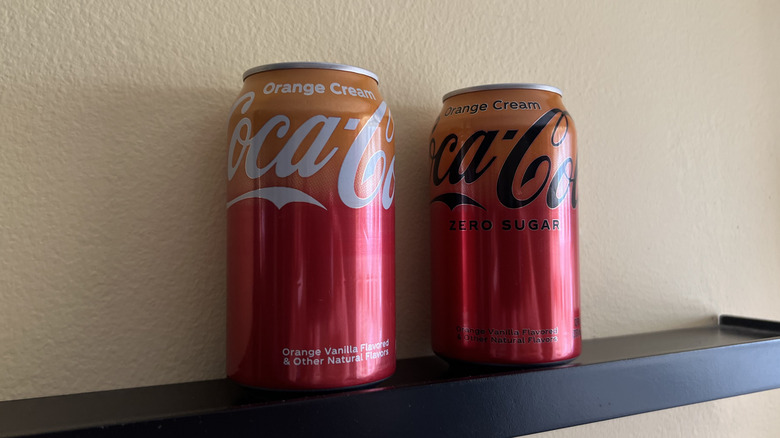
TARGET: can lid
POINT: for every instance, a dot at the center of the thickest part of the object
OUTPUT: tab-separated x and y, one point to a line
521	86
316	65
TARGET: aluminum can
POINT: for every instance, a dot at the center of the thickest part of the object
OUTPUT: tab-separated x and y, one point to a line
504	232
310	229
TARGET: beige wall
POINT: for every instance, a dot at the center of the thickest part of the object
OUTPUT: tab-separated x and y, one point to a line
112	169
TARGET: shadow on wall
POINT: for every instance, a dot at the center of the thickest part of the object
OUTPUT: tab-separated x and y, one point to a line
154	165
119	239
413	229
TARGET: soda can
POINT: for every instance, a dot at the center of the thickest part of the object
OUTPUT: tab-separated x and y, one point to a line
504	232
310	229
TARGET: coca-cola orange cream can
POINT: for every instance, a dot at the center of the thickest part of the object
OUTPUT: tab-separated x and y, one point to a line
504	235
310	229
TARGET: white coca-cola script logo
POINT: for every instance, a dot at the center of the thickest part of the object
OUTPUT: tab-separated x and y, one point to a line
246	149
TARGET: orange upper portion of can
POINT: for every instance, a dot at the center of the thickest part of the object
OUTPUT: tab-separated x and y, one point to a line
511	141
320	129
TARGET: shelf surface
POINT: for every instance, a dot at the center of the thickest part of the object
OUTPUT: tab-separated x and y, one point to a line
614	377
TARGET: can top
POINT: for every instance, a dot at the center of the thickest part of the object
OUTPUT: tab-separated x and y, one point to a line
521	86
317	65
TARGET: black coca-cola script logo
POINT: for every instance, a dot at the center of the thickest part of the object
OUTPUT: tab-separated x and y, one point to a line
559	183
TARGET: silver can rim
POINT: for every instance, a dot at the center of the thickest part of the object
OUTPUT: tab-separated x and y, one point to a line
508	86
312	65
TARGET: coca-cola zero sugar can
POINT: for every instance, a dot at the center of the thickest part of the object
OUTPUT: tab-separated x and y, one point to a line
504	235
310	229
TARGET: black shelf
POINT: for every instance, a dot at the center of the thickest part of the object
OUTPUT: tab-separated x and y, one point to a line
614	377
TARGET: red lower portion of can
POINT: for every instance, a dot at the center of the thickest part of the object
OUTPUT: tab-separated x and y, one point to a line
310	295
505	284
